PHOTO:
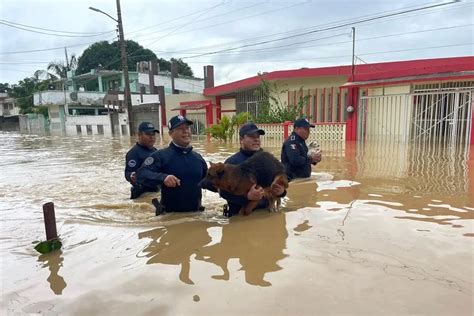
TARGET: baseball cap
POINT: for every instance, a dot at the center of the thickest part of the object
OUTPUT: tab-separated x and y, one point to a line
302	122
147	127
178	120
250	128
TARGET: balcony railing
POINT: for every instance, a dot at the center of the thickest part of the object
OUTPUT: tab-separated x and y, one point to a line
67	97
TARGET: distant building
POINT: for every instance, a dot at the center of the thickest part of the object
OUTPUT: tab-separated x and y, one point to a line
93	103
9	112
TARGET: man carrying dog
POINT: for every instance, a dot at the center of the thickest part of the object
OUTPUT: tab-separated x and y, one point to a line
294	153
249	135
177	169
137	155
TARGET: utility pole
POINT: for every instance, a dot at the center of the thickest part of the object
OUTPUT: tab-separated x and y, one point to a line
128	97
67	60
353	52
123	53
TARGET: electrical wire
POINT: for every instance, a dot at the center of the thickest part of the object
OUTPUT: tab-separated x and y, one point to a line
323	29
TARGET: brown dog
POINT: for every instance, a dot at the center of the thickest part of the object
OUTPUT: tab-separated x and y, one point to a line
262	169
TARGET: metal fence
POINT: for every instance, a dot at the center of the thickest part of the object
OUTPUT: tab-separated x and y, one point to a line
441	117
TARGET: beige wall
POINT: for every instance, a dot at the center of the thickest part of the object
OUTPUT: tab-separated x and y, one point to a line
173	100
390	90
333	112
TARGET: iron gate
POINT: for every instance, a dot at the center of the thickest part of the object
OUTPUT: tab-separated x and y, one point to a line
441	117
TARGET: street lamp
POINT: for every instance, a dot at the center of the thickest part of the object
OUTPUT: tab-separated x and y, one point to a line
128	99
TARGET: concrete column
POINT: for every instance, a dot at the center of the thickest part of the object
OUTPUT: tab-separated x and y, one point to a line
161	95
99	80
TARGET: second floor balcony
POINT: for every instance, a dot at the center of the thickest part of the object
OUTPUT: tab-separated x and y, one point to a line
67	97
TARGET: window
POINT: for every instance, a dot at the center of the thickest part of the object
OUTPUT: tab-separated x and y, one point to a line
89	129
124	129
79	129
100	129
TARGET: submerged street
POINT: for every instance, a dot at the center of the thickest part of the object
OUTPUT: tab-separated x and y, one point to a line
378	227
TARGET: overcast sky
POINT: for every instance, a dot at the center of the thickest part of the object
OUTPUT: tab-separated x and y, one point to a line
186	29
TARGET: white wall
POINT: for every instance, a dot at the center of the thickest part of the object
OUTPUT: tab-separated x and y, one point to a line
137	99
84	120
8	107
183	84
62	97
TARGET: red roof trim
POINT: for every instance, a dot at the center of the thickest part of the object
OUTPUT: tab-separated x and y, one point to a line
363	72
198	102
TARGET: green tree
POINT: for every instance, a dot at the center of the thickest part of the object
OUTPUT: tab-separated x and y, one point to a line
23	93
107	55
227	127
24	90
5	87
272	109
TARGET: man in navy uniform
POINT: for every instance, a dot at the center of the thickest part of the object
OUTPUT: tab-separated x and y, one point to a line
177	169
249	136
294	153
137	155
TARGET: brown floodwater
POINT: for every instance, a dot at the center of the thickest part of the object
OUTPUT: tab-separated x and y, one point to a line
378	229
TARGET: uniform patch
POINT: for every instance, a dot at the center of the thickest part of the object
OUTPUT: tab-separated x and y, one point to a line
132	163
293	146
292	137
149	161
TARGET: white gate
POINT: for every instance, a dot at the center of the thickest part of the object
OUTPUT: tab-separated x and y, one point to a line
441	118
199	122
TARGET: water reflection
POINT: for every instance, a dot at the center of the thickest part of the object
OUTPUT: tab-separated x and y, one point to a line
176	244
257	241
54	261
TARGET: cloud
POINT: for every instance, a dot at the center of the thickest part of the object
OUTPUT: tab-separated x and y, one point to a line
181	29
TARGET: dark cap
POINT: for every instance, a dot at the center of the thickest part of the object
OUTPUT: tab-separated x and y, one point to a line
178	120
147	127
302	122
250	128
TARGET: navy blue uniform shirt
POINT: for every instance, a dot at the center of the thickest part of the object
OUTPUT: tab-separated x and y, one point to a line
185	164
235	202
133	160
294	155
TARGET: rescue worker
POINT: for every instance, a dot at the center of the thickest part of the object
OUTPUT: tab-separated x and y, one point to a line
177	169
249	136
294	152
137	155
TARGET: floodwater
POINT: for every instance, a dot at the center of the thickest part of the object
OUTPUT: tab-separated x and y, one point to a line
377	229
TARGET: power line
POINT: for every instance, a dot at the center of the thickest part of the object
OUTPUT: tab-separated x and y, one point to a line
227	22
191	22
292	45
295	31
199	20
166	22
52	34
56	31
192	50
324	29
331	57
49	49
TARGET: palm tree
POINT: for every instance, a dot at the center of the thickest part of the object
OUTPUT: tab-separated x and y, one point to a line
39	74
60	68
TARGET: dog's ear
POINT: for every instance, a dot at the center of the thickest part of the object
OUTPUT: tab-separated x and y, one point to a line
220	173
